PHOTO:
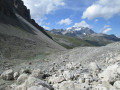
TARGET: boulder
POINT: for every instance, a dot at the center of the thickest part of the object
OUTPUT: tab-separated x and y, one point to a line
21	87
100	88
71	85
16	75
93	66
67	85
21	79
81	80
70	66
37	73
52	69
67	75
26	70
109	74
117	85
7	75
32	81
117	58
118	70
0	72
37	88
55	79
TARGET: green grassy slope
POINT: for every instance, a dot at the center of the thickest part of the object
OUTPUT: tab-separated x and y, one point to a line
68	41
97	41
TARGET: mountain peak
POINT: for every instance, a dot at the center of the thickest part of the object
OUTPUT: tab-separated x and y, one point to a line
77	31
74	31
77	28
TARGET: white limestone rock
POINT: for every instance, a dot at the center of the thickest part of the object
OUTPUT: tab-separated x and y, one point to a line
37	88
21	87
109	74
70	66
117	85
32	81
67	75
93	66
7	75
21	79
37	73
55	79
25	70
100	88
118	70
16	75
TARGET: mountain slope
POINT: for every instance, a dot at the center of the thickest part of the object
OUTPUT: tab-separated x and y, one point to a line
87	35
69	42
74	31
20	36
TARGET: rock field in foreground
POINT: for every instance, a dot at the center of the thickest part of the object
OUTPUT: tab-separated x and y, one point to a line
72	74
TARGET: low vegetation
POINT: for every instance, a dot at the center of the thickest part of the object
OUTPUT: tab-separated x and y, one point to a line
68	41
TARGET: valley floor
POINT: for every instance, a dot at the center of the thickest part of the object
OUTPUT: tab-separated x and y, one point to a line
84	68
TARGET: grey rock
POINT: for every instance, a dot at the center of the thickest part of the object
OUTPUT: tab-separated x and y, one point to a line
93	66
37	73
16	75
32	81
7	75
55	79
26	70
37	88
21	79
117	84
118	70
67	75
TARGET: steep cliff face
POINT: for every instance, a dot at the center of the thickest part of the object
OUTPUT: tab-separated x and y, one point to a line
22	9
6	7
21	36
9	7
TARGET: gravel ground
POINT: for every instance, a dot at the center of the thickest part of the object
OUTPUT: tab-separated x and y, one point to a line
103	56
84	55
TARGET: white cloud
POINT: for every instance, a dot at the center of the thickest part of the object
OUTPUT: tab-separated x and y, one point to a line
47	28
96	20
39	8
82	24
66	21
106	26
107	30
102	8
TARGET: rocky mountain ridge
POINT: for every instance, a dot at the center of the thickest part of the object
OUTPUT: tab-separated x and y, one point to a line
9	7
16	26
74	31
81	32
86	34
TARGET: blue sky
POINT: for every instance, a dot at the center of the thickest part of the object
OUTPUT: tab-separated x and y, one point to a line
103	16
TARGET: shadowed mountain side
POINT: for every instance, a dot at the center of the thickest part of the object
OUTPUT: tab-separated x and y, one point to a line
22	33
20	36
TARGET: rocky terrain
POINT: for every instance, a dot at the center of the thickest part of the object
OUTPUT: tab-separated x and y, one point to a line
74	31
30	59
90	68
20	36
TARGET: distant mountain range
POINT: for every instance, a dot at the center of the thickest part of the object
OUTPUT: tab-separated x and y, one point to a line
85	34
74	31
81	32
